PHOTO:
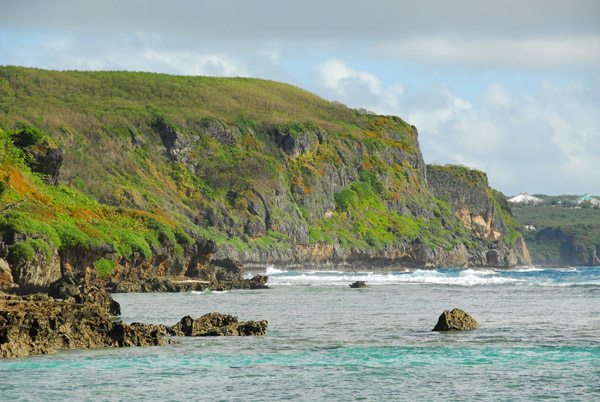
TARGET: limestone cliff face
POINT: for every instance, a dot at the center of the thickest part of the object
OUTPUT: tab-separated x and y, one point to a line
270	173
563	246
481	232
484	212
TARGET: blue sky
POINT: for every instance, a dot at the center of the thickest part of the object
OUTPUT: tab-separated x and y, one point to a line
511	88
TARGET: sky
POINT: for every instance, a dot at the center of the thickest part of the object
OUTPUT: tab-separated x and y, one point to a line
508	87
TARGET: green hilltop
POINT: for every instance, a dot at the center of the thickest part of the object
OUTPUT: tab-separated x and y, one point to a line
270	172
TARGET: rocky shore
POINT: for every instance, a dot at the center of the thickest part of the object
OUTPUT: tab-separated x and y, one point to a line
40	324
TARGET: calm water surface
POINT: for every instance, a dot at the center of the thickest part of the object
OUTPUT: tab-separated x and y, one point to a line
539	339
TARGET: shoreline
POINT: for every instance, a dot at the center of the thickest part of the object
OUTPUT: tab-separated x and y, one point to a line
256	270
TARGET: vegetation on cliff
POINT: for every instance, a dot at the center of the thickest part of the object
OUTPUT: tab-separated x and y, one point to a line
39	216
267	170
561	236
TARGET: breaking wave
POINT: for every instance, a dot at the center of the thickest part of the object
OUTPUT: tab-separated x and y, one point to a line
447	276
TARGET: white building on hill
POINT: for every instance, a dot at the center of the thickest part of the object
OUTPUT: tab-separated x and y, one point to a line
587	197
524	198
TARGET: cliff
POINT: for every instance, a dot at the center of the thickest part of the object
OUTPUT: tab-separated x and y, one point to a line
484	212
560	235
162	173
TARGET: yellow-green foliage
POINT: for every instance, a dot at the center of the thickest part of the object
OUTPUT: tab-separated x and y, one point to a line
110	124
104	267
18	222
68	218
24	250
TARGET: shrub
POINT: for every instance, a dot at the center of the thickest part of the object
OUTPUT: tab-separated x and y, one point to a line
69	235
26	136
157	230
345	200
21	251
104	267
129	242
181	237
18	222
24	250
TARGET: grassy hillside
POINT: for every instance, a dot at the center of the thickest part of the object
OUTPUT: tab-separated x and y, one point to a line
66	217
562	236
254	164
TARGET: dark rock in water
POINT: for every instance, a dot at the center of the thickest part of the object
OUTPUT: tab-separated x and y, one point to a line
37	324
358	284
256	282
74	288
217	324
455	320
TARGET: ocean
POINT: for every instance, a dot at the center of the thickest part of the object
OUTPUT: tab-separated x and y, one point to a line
538	339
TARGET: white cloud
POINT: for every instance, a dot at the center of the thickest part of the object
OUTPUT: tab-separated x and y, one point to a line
335	75
546	140
189	63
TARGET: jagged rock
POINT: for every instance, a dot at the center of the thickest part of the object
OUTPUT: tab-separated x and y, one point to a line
218	132
227	270
165	262
182	284
255	227
175	143
43	158
567	250
480	210
37	325
75	288
6	279
48	162
358	284
256	282
39	271
455	320
80	258
295	144
217	324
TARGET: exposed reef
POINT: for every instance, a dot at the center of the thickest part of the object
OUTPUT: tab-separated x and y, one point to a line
36	324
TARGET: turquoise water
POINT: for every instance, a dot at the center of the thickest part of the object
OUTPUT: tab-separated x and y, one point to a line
539	339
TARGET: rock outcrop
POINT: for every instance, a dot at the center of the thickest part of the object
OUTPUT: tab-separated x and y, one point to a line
227	270
358	285
75	288
565	246
455	320
34	262
217	324
484	212
180	284
48	162
37	324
